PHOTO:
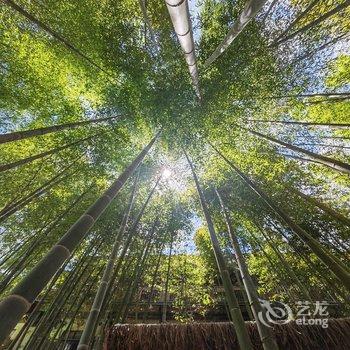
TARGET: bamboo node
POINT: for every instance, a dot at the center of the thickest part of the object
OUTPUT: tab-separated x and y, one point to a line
21	299
83	347
67	251
90	216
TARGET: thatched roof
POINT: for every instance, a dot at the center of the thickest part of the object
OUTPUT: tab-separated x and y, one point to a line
211	336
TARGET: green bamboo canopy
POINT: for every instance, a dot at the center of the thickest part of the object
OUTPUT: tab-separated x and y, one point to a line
174	173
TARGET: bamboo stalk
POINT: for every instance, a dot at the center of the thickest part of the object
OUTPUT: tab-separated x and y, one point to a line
235	312
13	307
39	240
105	317
324	145
19	201
25	134
17	341
325	279
313	23
21	190
275	267
63	294
78	292
140	267
54	34
336	94
180	17
306	160
294	122
266	335
153	283
334	264
330	162
273	3
119	310
251	8
112	307
43	189
44	231
78	297
297	20
324	207
147	21
320	48
286	266
112	286
127	281
106	279
18	247
17	163
165	301
243	291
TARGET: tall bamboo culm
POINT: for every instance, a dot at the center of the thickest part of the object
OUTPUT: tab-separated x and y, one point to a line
266	335
327	161
14	306
332	262
53	33
23	161
132	232
166	287
235	312
107	274
140	268
25	134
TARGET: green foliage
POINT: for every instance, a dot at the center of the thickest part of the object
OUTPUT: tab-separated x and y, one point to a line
44	83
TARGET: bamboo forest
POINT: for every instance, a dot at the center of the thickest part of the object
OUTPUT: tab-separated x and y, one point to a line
174	174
